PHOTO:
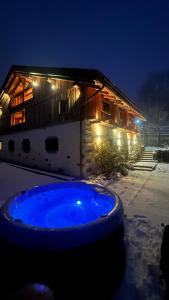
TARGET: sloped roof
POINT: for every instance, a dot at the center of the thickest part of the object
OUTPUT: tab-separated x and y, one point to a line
76	74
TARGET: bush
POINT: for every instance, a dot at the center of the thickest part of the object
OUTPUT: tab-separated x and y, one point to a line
135	154
109	159
105	158
124	171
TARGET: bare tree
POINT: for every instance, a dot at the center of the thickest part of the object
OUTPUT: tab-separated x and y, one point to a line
154	100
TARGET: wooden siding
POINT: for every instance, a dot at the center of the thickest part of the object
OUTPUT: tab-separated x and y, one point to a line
49	100
105	108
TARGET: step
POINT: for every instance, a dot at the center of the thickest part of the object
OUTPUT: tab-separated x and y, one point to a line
148	152
151	158
143	169
145	165
147	160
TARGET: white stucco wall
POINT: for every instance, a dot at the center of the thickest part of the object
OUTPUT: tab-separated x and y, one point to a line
68	135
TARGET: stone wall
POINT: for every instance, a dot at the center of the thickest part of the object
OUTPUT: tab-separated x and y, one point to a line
94	134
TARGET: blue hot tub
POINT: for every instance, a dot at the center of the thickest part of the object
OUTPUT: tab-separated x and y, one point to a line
57	233
60	216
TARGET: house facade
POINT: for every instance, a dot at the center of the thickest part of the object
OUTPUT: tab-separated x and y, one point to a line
53	118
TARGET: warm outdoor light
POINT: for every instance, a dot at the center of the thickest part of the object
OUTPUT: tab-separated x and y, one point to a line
119	142
129	141
118	139
35	83
97	115
134	139
0	111
98	133
53	87
115	131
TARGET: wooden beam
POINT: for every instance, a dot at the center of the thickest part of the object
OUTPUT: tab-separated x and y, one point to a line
11	83
110	97
93	86
104	93
11	78
18	83
27	88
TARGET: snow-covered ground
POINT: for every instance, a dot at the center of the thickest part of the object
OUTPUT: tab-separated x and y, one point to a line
151	148
146	202
14	180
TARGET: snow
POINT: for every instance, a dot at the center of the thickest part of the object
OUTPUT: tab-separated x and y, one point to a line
153	149
142	275
146	203
14	180
145	198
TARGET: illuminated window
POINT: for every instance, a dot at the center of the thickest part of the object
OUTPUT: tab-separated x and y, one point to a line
11	146
52	144
26	145
1	145
17	100
74	94
28	95
18	117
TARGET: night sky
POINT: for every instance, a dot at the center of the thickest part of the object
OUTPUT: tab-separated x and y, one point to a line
126	40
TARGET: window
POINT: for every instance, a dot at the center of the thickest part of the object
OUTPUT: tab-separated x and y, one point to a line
26	145
52	144
22	97
28	94
11	146
74	94
106	107
17	100
18	117
63	106
1	145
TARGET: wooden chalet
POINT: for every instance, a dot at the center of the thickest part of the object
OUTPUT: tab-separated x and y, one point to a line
33	98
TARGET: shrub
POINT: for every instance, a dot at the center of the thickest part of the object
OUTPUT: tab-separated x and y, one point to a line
136	151
105	158
109	159
124	171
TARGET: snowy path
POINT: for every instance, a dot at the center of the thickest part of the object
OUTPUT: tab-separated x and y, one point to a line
154	197
145	196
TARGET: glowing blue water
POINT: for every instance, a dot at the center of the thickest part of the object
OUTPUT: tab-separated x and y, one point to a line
61	205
